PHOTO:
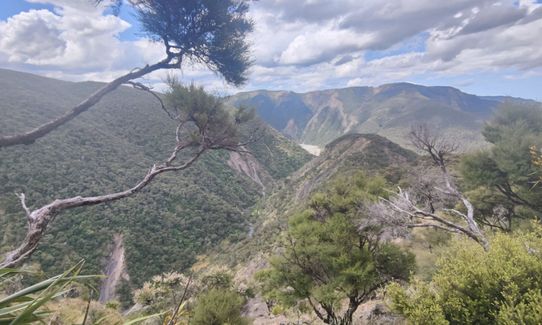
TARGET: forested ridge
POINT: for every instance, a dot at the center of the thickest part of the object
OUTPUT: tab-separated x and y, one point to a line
110	149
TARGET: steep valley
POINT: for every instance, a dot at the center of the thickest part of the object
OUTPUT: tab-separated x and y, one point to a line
230	209
110	148
342	158
275	162
347	155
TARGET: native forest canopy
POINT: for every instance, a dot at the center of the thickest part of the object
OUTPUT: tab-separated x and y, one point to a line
146	195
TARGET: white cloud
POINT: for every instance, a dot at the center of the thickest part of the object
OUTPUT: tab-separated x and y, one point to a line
75	41
32	37
298	45
81	5
324	44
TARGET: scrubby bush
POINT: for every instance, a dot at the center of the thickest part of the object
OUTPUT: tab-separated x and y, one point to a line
219	307
471	286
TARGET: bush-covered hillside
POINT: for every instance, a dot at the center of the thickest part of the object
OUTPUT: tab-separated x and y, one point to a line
110	148
343	158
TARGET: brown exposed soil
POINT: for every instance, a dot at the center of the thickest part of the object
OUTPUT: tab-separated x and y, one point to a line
247	165
114	270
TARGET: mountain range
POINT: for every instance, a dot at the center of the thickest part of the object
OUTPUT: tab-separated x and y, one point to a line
319	117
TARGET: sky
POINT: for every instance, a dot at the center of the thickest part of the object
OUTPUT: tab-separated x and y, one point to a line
479	46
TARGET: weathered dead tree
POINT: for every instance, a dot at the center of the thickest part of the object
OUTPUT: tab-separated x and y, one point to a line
203	124
430	203
211	33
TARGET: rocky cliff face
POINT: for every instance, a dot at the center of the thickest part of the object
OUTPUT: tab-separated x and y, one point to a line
114	271
247	165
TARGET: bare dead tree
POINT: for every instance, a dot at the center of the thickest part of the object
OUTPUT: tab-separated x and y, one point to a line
499	218
431	206
203	124
211	33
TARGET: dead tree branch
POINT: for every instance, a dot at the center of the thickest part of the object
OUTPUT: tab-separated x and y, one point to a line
22	197
140	86
173	319
413	210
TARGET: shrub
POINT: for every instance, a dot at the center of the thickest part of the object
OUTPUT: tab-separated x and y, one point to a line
219	307
470	286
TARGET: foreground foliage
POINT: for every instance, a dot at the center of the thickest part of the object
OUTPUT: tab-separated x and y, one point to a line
327	259
202	299
28	304
470	286
219	306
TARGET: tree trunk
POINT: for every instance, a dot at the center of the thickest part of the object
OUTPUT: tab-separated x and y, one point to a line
345	320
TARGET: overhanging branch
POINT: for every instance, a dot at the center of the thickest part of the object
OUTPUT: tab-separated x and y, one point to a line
42	130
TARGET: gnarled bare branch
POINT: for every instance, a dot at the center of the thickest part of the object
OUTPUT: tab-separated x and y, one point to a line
22	198
140	86
427	208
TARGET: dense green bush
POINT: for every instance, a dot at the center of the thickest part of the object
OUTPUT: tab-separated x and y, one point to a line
503	175
219	307
470	286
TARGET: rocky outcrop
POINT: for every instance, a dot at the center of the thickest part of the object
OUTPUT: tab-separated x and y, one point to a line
246	164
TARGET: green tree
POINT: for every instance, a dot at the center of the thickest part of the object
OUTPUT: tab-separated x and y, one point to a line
327	260
506	171
219	307
472	286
